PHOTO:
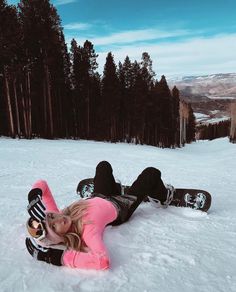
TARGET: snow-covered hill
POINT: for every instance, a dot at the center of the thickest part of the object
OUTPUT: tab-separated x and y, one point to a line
172	250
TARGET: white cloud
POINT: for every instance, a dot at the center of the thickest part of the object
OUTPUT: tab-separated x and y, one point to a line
214	54
55	2
63	2
77	26
132	36
178	52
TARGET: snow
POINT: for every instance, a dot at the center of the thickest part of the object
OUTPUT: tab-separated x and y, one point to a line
221	97
214	112
171	250
208	119
201	116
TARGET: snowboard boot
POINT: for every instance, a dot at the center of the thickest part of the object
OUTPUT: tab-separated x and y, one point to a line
169	197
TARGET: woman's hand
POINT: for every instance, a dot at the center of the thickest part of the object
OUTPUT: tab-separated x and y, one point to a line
36	208
49	255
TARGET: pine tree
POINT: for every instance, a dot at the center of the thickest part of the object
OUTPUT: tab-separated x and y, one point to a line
75	67
90	80
154	113
126	86
165	111
96	114
147	74
45	59
176	117
10	50
67	122
84	76
191	126
146	70
111	99
137	103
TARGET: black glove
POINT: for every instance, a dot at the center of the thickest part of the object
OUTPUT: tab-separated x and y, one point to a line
36	208
48	255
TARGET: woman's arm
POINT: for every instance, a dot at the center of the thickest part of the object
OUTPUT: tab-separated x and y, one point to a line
82	260
97	257
47	197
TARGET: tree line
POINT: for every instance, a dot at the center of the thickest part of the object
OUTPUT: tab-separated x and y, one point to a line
226	128
49	91
232	136
213	131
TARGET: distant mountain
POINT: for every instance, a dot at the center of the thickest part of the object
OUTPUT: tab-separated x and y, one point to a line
210	95
211	86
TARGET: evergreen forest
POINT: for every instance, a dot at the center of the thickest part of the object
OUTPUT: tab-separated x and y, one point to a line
51	90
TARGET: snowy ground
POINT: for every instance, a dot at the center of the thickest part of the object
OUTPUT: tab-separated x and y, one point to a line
208	119
172	250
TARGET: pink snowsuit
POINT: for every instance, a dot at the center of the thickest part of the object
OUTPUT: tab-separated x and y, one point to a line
100	212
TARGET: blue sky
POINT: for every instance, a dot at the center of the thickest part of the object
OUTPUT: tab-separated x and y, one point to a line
183	37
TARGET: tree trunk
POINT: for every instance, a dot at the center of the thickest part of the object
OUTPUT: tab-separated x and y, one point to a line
9	106
45	111
29	118
24	111
49	98
88	114
17	109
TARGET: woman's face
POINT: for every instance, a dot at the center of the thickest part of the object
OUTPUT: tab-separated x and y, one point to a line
59	223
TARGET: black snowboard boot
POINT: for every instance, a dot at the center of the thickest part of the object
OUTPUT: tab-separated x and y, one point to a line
169	198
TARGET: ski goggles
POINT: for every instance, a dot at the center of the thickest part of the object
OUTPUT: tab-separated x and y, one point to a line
36	229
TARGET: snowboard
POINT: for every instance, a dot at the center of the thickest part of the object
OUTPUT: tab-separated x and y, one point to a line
191	198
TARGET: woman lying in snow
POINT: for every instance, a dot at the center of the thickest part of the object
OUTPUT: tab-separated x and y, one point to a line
80	226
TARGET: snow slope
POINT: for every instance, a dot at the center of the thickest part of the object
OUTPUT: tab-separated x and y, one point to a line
172	250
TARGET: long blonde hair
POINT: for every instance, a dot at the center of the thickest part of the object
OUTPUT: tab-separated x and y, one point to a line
76	211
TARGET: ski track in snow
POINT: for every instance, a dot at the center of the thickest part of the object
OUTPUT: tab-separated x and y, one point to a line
171	250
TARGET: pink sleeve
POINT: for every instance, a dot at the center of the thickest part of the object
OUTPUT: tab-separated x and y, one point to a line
47	198
97	257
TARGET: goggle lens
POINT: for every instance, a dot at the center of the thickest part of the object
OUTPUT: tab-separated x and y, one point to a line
36	229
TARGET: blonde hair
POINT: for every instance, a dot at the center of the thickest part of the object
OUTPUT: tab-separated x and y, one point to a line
76	211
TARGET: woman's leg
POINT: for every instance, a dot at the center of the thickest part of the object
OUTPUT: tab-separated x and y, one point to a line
148	183
104	182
